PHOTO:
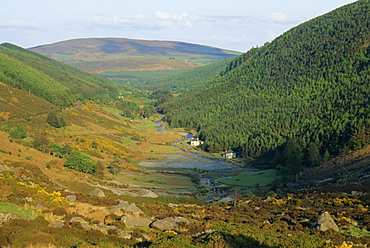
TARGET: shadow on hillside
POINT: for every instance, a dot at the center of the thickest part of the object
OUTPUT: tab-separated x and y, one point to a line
241	240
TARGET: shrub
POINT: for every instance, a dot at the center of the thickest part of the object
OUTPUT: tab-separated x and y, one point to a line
55	120
80	162
18	132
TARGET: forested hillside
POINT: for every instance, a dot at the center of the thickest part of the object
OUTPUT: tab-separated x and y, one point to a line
54	81
300	99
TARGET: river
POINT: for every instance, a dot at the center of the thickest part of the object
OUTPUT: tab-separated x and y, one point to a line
207	169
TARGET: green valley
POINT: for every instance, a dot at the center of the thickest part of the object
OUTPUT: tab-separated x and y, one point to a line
281	152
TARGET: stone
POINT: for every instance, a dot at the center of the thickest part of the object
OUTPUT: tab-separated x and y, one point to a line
72	198
57	223
126	208
131	221
169	223
4	217
97	192
124	234
78	219
325	222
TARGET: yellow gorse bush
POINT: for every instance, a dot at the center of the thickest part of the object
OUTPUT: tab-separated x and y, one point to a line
341	202
343	245
53	198
108	146
278	202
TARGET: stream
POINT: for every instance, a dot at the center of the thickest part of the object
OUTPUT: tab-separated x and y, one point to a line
188	137
209	169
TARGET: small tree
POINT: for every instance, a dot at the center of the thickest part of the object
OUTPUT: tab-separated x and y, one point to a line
40	142
99	170
80	162
18	132
55	120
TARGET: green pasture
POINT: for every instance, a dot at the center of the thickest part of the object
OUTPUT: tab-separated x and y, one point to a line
261	178
12	208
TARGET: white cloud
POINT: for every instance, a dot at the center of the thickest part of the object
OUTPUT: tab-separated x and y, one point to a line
18	24
158	21
275	17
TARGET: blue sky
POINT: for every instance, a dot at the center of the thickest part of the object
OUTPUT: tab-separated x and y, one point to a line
233	24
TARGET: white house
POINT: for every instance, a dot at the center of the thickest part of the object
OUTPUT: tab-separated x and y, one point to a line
229	154
195	142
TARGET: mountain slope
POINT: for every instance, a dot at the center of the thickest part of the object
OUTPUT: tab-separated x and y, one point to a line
308	87
177	81
54	81
119	54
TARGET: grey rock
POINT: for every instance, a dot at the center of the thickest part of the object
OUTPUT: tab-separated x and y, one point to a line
57	223
325	222
131	221
4	217
78	219
124	234
169	223
172	205
72	198
126	208
97	192
102	228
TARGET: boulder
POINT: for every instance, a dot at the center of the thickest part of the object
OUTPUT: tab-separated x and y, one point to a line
78	219
126	208
169	223
325	222
57	223
72	198
135	221
97	192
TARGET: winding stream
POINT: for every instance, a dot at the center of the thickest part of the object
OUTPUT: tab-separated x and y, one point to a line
188	137
209	168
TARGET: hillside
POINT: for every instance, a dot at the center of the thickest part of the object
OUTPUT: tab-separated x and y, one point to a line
97	55
172	80
54	81
298	100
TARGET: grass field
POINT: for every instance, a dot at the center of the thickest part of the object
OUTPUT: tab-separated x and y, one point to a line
261	178
12	208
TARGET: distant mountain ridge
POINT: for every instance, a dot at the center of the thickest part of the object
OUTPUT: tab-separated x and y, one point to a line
98	55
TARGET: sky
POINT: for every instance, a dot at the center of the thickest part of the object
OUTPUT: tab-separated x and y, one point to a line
236	25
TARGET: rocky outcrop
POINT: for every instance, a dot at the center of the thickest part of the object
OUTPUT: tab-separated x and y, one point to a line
97	192
126	208
131	221
325	222
99	227
170	223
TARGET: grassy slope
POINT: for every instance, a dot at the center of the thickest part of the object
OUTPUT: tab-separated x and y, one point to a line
48	78
99	55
